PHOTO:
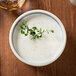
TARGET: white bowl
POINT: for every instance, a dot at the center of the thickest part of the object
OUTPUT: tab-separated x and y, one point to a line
60	49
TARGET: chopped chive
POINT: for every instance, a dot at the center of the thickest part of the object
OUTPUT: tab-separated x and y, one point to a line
24	23
22	32
34	28
22	28
26	34
52	31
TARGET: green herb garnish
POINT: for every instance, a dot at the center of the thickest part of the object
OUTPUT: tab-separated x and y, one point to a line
52	31
34	31
22	32
34	28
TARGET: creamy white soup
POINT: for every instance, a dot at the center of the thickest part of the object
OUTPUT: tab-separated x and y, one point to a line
41	49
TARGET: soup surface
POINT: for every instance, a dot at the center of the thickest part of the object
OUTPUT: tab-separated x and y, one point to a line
42	49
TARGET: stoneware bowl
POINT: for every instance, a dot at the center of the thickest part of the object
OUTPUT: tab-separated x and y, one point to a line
46	62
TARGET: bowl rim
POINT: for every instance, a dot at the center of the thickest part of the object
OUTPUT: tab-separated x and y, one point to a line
50	60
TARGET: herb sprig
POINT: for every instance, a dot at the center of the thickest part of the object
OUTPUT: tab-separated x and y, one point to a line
34	31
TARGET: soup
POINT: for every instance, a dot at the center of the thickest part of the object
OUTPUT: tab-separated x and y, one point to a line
41	49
